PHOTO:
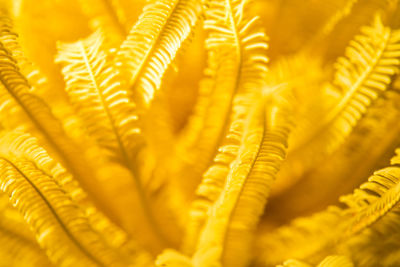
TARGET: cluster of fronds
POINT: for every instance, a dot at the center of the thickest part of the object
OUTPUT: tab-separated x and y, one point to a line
156	138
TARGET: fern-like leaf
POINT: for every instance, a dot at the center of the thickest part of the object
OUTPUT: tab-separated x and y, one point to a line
61	226
235	39
228	233
336	261
19	243
370	213
369	208
10	40
107	110
32	114
153	43
109	115
330	261
372	59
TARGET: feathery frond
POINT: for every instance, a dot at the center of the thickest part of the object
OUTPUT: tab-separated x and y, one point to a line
103	104
336	261
372	59
330	261
60	225
378	126
17	251
229	231
305	239
108	112
370	211
154	41
35	116
237	69
10	40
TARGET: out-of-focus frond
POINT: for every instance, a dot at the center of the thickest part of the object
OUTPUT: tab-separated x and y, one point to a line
343	167
294	263
17	251
336	261
332	37
19	247
330	261
173	258
39	28
370	63
371	213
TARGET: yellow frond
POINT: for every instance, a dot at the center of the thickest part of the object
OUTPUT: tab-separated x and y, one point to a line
237	71
19	245
294	263
336	261
154	41
173	258
308	239
378	126
372	59
32	114
330	261
10	40
110	117
17	251
229	230
61	226
370	213
334	33
99	98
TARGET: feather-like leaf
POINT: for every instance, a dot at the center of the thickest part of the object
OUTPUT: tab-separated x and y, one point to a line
294	263
234	216
19	244
10	40
372	59
110	117
237	69
110	233
378	126
102	103
153	42
306	238
61	226
35	116
330	261
370	207
336	261
370	211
